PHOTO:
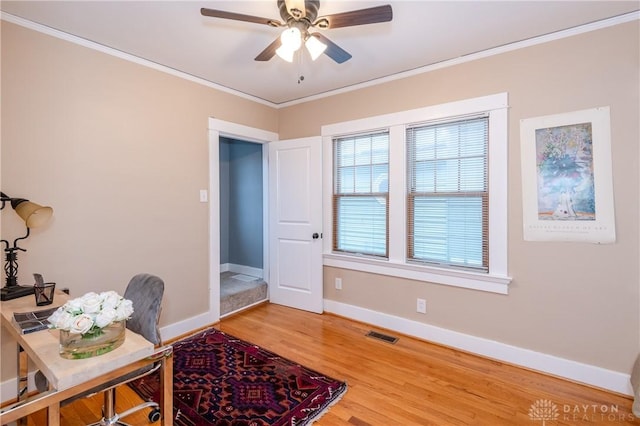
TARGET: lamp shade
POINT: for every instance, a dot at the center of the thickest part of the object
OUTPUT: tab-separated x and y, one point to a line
285	53
34	215
315	47
291	38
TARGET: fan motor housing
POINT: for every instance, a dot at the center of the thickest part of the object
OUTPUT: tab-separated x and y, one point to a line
310	13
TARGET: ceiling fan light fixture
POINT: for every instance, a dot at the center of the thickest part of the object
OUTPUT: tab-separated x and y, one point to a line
301	15
285	53
315	47
291	38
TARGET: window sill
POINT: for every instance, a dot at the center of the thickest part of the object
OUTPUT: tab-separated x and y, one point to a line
475	281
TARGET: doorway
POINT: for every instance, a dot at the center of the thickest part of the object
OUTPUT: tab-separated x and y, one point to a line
288	280
242	278
223	129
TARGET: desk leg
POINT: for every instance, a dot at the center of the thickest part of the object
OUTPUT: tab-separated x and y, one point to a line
23	380
53	415
166	394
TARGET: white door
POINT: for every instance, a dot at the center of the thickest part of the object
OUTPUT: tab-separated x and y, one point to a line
295	223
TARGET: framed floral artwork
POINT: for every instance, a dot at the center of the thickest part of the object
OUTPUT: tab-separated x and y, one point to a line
567	188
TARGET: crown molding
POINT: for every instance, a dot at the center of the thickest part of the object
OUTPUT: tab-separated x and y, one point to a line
593	26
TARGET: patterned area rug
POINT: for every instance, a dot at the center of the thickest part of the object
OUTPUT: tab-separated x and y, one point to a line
221	380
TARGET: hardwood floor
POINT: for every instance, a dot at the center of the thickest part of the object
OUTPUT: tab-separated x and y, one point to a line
411	382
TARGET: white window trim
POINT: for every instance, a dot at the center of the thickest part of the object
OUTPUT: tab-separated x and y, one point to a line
497	280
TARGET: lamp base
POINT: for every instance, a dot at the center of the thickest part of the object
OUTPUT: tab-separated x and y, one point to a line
15	291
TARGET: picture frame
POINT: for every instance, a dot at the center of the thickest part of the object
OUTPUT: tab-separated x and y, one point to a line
567	184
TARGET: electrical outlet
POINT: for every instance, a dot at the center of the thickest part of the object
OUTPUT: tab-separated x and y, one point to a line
421	306
338	283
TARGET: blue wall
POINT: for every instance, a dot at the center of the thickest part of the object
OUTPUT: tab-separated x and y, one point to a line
224	200
241	203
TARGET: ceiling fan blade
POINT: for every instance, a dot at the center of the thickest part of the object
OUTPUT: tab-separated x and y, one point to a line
269	51
333	51
371	15
239	17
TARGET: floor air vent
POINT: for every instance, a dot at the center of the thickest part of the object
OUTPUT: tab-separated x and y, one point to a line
383	337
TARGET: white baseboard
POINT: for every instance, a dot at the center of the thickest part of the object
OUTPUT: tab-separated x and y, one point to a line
561	367
242	269
9	388
186	326
550	364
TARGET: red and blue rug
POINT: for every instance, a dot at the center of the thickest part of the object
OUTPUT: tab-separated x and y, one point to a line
221	380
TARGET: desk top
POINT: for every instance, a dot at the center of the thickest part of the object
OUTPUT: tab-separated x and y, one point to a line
43	347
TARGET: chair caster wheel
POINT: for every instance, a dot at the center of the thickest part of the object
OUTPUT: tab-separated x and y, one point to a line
155	415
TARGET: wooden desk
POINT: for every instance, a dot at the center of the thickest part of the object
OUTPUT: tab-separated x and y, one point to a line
70	377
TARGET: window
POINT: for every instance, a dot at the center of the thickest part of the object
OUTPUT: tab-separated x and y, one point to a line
447	203
433	207
361	193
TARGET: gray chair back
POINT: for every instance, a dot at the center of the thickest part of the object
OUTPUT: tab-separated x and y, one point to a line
145	292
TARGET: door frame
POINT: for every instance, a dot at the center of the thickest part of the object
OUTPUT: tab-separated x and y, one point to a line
218	128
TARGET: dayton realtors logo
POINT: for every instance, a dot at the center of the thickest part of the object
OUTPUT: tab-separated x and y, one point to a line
544	410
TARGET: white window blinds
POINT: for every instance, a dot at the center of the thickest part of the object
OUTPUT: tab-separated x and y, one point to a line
361	194
447	201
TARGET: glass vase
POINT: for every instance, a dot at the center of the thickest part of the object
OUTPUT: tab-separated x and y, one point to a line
98	342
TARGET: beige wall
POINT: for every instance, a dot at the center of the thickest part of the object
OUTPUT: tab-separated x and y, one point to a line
576	301
120	151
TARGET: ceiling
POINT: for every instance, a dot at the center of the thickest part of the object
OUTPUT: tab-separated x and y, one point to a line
174	34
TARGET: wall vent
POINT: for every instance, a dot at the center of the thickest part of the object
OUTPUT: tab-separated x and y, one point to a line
383	337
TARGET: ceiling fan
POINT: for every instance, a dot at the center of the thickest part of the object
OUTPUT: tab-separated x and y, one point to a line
299	17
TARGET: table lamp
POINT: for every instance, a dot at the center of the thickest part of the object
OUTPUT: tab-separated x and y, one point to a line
34	215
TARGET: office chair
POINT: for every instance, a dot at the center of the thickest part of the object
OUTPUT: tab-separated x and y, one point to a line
145	292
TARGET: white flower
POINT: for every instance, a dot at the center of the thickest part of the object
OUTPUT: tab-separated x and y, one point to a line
61	319
105	317
124	310
81	324
74	306
91	303
110	299
92	310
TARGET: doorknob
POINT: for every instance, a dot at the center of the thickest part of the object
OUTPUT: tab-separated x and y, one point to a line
315	236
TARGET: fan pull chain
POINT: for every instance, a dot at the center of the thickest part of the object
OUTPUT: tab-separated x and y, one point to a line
300	76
